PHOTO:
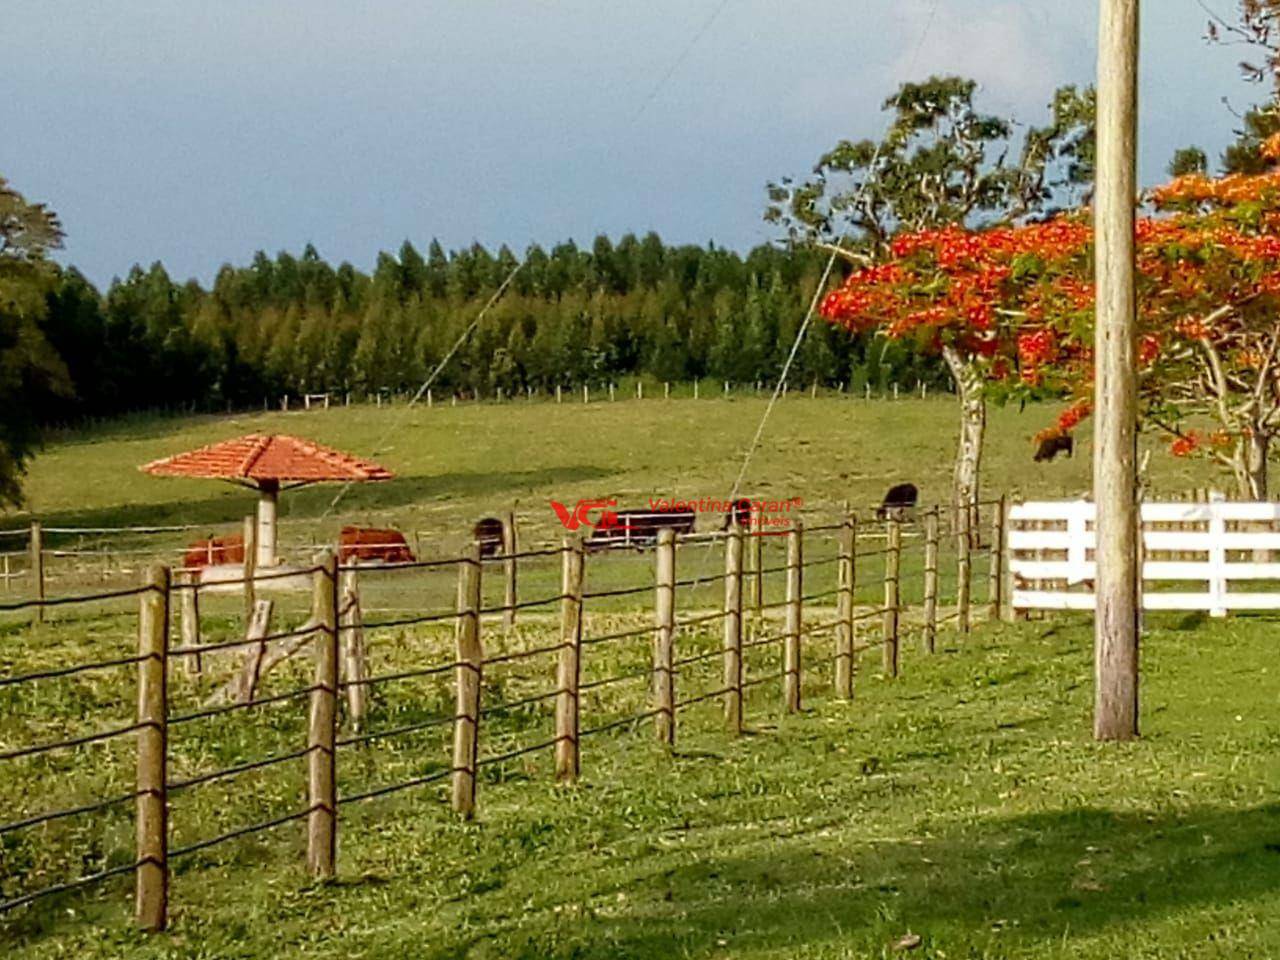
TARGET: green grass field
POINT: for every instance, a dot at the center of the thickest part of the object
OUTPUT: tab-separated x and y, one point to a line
457	464
964	803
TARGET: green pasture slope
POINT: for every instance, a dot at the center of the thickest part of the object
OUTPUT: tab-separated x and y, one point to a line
964	803
456	464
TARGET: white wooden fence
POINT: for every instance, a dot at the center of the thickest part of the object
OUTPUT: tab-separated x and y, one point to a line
1193	553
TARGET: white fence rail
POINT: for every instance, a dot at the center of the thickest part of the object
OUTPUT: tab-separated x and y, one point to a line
1208	546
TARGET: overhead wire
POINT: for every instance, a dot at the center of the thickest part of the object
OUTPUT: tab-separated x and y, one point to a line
497	295
818	293
822	283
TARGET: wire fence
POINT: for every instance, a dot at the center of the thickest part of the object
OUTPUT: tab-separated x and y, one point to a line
470	680
38	560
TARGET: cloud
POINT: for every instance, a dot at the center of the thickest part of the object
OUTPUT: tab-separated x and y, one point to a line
1019	53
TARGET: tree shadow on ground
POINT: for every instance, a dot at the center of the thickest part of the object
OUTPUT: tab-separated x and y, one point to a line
312	503
1003	884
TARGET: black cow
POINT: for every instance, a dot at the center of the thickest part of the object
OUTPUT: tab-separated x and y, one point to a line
639	528
487	533
1050	447
900	498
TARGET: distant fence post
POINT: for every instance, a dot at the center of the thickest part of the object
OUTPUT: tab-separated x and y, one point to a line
846	578
250	537
355	660
470	658
964	567
995	589
37	569
756	535
892	594
930	636
1010	613
322	729
568	714
509	569
733	627
151	883
791	643
664	619
189	614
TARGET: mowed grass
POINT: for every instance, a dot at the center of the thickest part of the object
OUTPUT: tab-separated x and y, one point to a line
964	803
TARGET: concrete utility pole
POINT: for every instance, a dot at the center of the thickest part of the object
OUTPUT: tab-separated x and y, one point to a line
1115	440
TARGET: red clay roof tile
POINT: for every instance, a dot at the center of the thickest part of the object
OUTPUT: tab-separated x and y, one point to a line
274	457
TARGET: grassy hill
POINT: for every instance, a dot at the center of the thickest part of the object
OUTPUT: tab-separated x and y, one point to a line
456	464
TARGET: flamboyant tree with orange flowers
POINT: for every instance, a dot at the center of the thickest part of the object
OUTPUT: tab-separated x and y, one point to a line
1019	301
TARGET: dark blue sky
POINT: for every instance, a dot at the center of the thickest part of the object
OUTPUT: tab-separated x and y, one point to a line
196	133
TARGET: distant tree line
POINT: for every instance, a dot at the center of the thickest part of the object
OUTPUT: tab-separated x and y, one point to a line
295	324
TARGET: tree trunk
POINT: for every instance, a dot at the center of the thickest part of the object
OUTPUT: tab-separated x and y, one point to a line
973	428
1250	465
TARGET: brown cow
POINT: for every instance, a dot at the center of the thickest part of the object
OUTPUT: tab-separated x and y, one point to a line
214	551
487	533
370	544
1051	446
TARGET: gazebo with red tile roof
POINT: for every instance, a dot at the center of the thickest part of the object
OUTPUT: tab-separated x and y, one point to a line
269	464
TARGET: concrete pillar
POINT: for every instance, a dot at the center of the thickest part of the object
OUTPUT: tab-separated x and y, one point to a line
267	500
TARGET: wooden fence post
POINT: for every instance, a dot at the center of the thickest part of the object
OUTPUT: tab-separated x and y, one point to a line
964	567
189	608
151	882
791	643
664	619
995	589
322	729
509	569
756	536
355	660
846	577
256	653
733	627
568	718
250	537
467	674
892	594
930	636
37	569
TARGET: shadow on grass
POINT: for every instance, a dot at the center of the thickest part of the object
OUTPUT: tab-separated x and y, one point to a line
311	503
1022	882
